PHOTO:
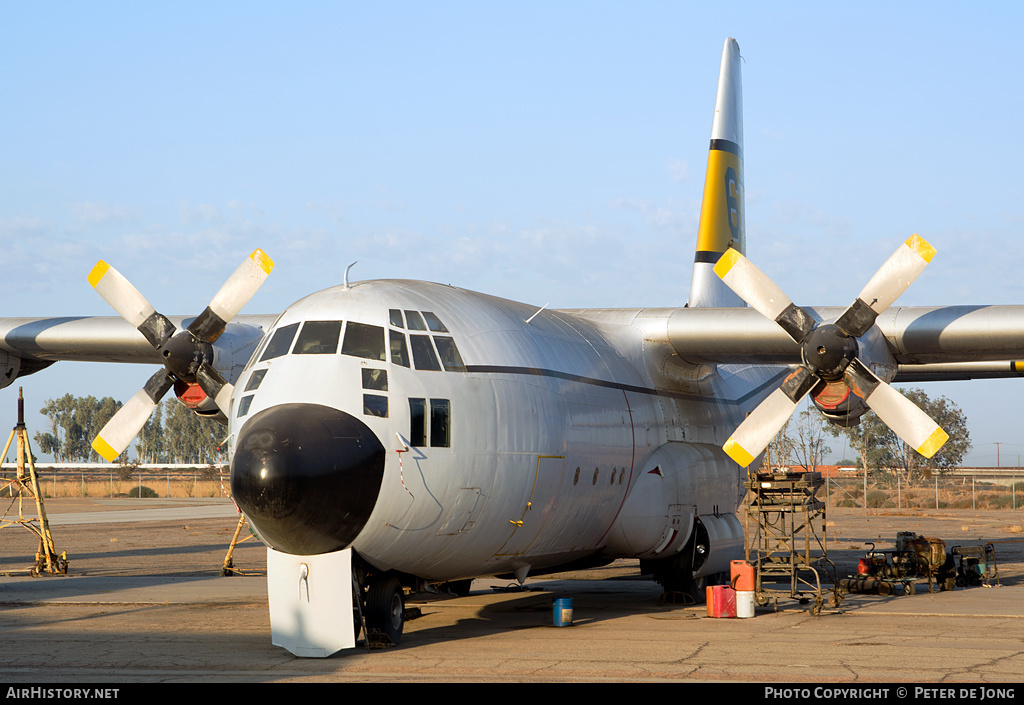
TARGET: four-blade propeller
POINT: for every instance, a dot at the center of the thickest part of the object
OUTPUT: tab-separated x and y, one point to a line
187	355
829	352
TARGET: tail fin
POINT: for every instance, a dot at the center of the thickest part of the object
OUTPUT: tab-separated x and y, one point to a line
721	215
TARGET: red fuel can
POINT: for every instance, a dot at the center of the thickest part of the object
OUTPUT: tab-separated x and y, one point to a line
721	601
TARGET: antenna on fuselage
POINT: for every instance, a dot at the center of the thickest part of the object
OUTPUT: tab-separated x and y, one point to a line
535	315
345	282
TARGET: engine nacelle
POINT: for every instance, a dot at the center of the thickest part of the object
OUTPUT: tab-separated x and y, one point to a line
677	483
838	404
229	355
12	367
193	396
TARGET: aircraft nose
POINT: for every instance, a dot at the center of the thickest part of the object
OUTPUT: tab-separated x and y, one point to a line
307	476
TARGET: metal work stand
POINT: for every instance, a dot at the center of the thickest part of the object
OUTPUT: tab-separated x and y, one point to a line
789	522
24	484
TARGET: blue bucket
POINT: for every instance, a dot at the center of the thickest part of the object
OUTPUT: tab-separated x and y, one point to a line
563	612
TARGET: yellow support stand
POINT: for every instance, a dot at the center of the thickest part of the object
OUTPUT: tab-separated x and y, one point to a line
228	569
27	484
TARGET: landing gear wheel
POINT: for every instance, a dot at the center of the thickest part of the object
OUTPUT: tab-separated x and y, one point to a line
910	588
385	608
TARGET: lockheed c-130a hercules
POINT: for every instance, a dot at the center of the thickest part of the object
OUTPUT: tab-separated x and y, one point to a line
386	436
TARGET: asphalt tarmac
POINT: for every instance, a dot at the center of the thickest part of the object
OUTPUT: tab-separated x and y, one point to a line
144	602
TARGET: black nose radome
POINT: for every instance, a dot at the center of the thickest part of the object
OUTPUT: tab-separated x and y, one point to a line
307	476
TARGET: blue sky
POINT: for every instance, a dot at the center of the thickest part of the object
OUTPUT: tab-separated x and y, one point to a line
545	152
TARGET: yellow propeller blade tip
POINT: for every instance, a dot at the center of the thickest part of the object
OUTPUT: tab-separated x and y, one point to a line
726	262
738	453
104	449
921	247
262	260
932	444
97	273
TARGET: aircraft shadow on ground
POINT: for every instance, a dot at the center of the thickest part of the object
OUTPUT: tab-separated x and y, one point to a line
534	609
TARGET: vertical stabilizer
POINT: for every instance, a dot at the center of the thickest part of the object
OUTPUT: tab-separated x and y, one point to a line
721	214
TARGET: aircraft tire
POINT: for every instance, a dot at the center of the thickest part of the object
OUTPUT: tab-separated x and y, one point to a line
385	607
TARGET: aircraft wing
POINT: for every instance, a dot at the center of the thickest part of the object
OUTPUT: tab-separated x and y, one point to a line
927	343
30	344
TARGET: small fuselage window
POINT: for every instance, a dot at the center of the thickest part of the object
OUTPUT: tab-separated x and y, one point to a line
440	423
376	380
255	379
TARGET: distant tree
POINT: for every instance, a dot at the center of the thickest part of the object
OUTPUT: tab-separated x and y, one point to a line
809	442
149	444
188	437
74	423
879	447
780	449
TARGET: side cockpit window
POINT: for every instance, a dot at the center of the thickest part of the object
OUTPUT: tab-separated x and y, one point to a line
318	338
399	350
280	342
450	357
423	353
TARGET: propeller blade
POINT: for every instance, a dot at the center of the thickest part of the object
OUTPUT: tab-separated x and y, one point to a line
215	386
131	305
761	293
760	427
123	426
903	416
235	293
889	282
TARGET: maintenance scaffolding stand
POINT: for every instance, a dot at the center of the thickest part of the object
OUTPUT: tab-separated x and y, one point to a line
26	485
789	524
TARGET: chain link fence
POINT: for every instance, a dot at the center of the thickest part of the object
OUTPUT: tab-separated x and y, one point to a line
125	483
950	491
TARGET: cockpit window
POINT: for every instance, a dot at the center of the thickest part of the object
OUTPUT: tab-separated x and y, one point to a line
365	341
396	317
280	342
415	320
399	351
318	338
450	357
423	353
434	323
